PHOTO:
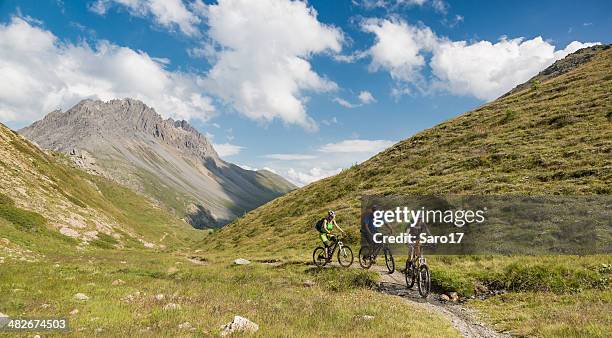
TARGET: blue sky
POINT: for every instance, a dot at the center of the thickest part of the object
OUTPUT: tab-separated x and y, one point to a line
304	89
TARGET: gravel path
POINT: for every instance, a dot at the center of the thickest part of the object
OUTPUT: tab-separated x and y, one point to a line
462	318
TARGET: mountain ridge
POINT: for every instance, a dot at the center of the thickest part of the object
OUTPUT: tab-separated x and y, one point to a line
167	160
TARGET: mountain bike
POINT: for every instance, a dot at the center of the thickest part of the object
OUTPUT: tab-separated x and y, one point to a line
417	270
367	256
345	254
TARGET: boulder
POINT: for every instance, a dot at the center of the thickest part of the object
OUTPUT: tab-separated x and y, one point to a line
239	324
80	296
454	296
444	298
242	261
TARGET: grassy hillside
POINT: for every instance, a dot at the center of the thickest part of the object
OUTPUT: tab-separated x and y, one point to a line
551	137
42	192
555	138
64	233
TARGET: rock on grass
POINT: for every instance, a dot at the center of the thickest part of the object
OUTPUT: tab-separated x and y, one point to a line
242	261
80	296
239	324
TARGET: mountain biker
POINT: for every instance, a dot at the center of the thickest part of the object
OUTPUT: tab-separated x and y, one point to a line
326	226
368	230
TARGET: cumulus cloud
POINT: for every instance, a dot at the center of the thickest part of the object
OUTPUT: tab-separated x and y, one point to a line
166	13
399	47
482	69
487	70
365	97
289	157
356	146
227	149
262	67
40	73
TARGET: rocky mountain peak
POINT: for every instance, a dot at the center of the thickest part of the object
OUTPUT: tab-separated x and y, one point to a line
121	118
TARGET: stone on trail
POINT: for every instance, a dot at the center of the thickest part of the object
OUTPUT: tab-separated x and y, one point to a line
454	296
80	296
160	297
242	261
444	298
239	324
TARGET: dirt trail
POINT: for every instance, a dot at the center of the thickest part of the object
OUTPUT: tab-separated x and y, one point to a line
462	318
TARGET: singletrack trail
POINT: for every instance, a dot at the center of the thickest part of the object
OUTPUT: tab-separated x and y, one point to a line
461	318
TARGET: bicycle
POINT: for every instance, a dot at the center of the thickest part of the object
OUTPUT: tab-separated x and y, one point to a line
367	256
345	254
418	270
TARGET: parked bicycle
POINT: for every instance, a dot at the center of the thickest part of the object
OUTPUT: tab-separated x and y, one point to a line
345	254
417	270
367	256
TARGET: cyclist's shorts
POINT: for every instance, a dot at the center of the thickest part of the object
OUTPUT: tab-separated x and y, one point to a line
323	237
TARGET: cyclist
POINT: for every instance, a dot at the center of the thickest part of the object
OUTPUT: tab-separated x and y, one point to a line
325	226
368	229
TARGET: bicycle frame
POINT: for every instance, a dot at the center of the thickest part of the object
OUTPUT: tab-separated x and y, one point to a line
332	250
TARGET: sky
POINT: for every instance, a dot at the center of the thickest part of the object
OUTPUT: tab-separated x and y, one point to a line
303	89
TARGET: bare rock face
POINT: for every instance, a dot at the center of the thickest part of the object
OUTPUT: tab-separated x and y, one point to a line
170	161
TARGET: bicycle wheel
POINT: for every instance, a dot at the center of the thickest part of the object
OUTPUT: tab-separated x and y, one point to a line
365	258
424	281
389	261
409	274
318	257
345	256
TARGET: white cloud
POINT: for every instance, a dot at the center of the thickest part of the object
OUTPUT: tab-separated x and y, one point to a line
262	67
227	149
482	69
167	13
356	146
40	73
365	97
301	178
487	70
344	103
290	157
328	160
399	47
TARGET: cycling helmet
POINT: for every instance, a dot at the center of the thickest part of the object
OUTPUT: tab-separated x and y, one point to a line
331	213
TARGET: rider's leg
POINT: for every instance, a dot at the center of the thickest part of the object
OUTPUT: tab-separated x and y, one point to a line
325	241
